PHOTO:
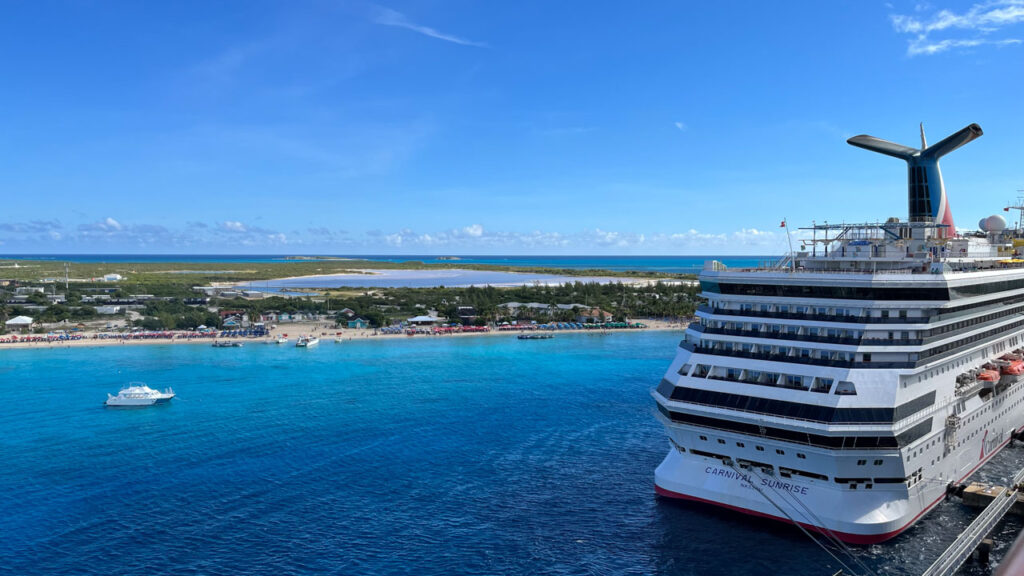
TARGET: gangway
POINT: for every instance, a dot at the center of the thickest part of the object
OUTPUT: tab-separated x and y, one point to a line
953	558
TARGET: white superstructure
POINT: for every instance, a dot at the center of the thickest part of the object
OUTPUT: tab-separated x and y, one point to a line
847	387
138	394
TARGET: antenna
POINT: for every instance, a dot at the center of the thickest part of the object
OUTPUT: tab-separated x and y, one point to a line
1019	207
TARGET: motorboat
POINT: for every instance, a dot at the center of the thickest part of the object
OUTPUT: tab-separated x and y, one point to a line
227	344
138	394
307	342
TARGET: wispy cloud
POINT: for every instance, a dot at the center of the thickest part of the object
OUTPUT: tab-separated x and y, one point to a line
471	238
978	26
388	17
680	125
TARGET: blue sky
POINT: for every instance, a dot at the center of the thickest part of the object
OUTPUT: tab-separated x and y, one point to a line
439	127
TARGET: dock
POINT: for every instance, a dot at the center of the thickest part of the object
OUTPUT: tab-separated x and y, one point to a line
980	495
1000	500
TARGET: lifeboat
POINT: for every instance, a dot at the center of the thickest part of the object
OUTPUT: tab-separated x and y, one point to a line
1013	369
1011	357
988	376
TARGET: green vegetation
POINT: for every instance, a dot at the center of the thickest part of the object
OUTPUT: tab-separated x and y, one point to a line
387	305
381	307
178	278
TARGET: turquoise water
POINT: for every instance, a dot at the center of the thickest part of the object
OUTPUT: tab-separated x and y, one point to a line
426	455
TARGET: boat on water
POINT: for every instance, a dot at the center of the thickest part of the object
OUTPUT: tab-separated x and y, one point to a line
848	386
535	336
227	344
307	342
138	394
278	340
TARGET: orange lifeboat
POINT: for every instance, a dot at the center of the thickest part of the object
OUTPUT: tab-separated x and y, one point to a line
988	376
1014	368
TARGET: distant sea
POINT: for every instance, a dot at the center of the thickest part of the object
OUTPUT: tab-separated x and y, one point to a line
667	264
425	455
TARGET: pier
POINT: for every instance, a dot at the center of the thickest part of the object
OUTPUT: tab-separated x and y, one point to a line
1001	500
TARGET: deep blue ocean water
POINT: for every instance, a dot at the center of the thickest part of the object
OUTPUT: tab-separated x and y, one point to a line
667	264
425	455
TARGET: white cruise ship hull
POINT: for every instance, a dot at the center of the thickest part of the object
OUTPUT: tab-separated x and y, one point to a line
868	517
712	465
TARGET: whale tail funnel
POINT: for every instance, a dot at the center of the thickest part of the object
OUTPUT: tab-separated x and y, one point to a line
926	193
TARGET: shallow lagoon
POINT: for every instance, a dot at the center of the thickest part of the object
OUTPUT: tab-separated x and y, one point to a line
424	279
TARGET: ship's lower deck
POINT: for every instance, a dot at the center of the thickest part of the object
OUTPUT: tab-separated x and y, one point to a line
735	471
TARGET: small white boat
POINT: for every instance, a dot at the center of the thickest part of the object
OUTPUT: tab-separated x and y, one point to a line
138	394
281	340
307	342
339	340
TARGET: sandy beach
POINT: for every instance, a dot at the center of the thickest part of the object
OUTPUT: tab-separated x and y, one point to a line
324	330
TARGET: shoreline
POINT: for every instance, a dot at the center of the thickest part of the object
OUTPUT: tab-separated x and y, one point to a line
293	331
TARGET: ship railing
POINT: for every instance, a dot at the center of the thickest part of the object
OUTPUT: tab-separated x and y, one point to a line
768	419
799	359
850	319
920	268
847	340
845	271
918	417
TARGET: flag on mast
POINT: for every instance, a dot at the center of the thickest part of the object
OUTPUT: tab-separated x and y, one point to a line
783	225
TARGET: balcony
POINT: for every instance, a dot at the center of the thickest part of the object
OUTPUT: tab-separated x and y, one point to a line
700	349
861	341
816	317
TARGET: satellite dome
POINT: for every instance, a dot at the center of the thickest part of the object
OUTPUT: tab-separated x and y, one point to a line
994	223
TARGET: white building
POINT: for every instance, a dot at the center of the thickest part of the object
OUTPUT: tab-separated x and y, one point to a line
112	277
19	324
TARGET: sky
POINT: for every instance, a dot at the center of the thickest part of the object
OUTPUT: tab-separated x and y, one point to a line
490	127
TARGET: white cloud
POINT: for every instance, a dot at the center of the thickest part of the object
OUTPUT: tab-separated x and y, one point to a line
33	227
111	224
389	17
745	240
474	230
233	226
981	22
682	127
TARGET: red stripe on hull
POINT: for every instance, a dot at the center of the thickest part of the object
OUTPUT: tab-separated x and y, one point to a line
844	536
847	537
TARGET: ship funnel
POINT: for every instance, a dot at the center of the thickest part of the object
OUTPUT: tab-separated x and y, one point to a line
926	194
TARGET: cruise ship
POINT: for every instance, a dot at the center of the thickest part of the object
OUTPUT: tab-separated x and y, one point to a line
850	386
